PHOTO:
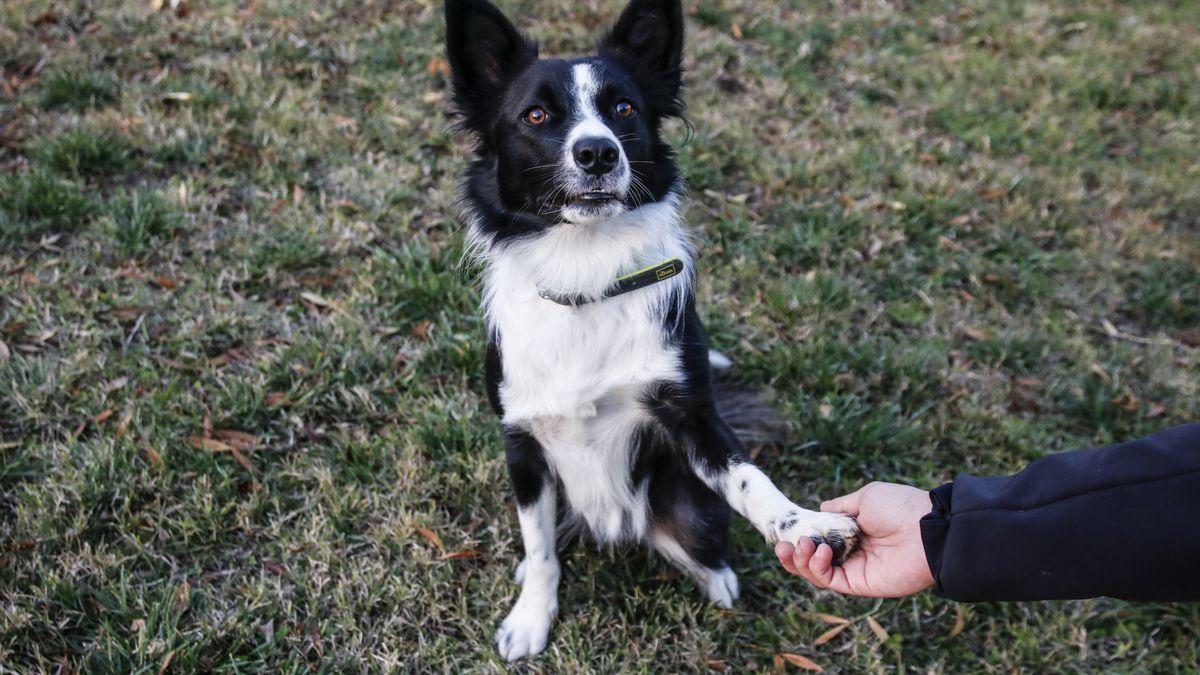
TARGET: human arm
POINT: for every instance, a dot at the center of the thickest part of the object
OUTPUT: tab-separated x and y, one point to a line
1120	521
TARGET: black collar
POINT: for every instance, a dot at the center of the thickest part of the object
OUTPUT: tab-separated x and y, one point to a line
630	282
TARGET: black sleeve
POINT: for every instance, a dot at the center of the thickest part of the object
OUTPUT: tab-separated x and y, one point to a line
1120	521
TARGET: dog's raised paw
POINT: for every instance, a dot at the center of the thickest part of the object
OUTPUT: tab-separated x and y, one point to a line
838	530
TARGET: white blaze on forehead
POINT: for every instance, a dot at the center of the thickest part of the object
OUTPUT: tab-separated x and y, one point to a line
586	117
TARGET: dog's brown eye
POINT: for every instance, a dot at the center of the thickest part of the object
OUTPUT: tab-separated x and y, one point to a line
536	116
624	109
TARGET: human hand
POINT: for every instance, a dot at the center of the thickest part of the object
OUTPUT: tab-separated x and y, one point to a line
890	559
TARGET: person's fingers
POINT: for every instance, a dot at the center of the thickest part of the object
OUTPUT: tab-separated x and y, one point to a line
801	553
847	504
784	552
820	567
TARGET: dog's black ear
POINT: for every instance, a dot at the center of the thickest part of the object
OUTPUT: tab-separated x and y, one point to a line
648	39
484	50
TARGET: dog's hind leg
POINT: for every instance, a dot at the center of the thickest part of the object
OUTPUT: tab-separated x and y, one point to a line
689	525
525	631
719	584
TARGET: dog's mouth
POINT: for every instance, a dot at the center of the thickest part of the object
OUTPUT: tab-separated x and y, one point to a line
593	198
591	206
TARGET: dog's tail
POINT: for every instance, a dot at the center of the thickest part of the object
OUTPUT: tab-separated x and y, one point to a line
746	411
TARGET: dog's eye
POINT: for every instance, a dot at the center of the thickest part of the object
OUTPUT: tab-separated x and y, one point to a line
536	116
624	109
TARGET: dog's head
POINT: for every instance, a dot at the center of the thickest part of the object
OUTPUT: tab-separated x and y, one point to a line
567	140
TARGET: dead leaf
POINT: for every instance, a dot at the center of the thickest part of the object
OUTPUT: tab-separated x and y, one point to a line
208	444
469	553
166	282
100	417
993	192
423	330
948	243
975	334
877	629
960	621
1127	402
1100	372
183	597
239	440
5	354
274	399
829	634
430	535
166	663
825	618
123	425
313	298
151	453
127	313
242	459
802	662
718	665
235	355
437	66
1156	410
297	194
736	31
113	385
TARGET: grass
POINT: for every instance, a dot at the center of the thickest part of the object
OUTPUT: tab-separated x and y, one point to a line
38	201
72	90
241	365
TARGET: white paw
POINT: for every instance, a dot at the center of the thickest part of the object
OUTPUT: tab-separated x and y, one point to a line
721	587
525	631
837	530
718	361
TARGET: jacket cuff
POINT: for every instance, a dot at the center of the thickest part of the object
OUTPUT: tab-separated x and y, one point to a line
935	527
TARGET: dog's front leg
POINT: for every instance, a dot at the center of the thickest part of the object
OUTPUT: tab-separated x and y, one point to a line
716	455
525	630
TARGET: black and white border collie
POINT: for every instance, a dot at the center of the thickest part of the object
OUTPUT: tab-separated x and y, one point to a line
597	363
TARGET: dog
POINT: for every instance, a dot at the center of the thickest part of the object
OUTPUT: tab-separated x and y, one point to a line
597	363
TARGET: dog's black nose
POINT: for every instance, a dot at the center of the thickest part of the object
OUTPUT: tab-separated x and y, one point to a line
596	155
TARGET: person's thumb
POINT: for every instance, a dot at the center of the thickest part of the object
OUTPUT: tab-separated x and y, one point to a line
847	504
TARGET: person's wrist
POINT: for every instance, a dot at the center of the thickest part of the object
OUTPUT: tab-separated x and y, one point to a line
933	528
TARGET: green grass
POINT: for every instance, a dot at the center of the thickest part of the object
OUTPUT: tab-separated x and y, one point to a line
140	221
84	152
916	227
35	202
71	90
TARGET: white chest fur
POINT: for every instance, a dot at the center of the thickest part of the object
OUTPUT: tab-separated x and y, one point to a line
574	376
557	360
